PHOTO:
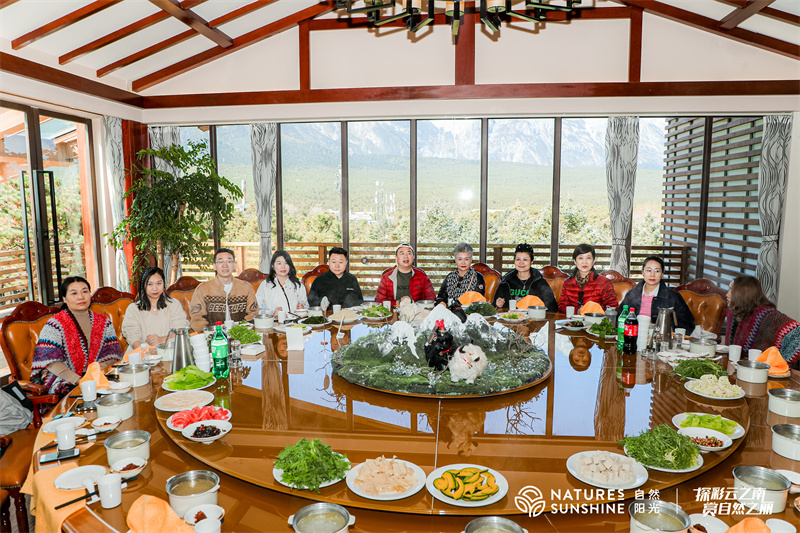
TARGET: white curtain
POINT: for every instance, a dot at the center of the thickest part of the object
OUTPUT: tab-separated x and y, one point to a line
115	172
773	172
160	137
264	140
622	150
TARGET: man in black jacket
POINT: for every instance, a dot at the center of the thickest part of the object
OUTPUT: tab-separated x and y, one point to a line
340	286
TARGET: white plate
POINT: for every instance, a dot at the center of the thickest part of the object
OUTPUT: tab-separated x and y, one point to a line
794	479
315	326
705	432
512	320
418	473
166	387
722	348
501	481
688	383
711	523
738	433
224	427
175	428
697	466
639	471
561	324
605	337
776	525
282	328
76	421
278	472
73	479
178	401
375	318
350	321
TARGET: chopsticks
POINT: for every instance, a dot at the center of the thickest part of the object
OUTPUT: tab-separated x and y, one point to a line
87	438
92	494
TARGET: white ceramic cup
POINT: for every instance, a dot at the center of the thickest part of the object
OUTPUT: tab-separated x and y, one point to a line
110	488
65	436
337	308
753	353
89	390
208	525
387	304
570	311
135	358
512	305
281	316
734	353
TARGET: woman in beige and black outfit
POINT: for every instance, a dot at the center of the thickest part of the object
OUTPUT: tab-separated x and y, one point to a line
149	319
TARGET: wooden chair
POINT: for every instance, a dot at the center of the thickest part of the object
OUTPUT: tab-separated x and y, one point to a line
5	518
112	303
309	277
183	290
253	276
554	277
491	279
621	284
708	303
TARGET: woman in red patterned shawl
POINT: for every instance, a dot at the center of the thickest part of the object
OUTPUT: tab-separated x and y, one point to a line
73	339
754	322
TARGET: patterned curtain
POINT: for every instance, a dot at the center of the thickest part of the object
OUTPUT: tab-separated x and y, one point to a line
622	150
264	139
773	171
161	136
115	171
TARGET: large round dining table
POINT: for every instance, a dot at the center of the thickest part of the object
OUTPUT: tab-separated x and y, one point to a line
592	397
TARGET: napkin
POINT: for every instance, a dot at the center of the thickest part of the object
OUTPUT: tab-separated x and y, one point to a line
750	524
45	496
94	372
529	301
470	297
137	350
149	514
777	364
254	348
699	333
592	307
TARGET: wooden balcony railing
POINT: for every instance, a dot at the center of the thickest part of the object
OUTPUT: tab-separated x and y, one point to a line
14	274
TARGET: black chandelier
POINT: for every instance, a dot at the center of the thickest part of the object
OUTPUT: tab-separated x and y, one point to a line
492	12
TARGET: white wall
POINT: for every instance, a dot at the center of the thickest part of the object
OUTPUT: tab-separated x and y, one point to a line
789	282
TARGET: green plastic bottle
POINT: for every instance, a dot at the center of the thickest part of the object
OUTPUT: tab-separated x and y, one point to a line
621	327
219	353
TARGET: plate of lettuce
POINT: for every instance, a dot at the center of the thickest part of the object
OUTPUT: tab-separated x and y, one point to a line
188	378
704	420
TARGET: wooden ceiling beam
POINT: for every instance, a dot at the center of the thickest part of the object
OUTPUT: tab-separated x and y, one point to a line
194	21
121	33
172	41
739	15
700	22
62	22
6	3
240	42
770	12
481	92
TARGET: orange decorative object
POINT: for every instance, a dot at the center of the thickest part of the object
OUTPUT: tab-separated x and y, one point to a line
777	364
94	372
592	307
149	514
470	297
751	524
529	301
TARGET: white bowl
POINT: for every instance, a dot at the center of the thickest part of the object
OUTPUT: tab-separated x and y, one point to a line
786	441
106	423
593	318
117	467
785	402
752	371
120	387
208	509
695	432
224	428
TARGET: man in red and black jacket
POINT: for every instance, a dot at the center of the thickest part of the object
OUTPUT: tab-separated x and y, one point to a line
405	280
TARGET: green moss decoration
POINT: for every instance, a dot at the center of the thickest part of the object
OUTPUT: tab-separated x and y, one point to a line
512	363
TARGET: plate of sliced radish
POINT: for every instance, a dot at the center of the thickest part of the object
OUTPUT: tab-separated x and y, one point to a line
181	419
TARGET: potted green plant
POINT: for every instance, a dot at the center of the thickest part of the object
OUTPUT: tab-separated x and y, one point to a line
174	212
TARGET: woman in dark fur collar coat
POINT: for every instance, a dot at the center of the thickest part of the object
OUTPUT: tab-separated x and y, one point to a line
651	295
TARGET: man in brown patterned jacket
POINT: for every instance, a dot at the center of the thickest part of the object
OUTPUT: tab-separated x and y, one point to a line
224	297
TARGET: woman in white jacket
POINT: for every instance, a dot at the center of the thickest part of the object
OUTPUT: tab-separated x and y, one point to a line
281	290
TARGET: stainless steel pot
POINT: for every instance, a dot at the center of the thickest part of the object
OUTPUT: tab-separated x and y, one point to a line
497	522
182	503
774	488
338	513
658	516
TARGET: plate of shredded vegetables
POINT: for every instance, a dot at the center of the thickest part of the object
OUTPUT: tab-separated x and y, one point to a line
513	316
310	465
704	420
376	312
244	334
188	378
716	388
663	448
697	368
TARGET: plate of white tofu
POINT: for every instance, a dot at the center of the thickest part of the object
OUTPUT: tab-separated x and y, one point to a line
607	470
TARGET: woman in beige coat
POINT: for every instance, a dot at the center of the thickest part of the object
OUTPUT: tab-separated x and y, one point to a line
149	319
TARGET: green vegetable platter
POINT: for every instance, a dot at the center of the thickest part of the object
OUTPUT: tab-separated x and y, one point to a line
704	420
188	378
482	308
315	321
244	334
604	329
376	312
664	449
697	368
310	465
513	316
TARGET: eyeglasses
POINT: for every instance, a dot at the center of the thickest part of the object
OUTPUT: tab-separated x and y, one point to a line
225	262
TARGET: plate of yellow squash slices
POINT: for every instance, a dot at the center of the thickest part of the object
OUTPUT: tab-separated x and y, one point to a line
467	485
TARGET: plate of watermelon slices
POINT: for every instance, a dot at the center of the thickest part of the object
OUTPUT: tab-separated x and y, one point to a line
181	419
